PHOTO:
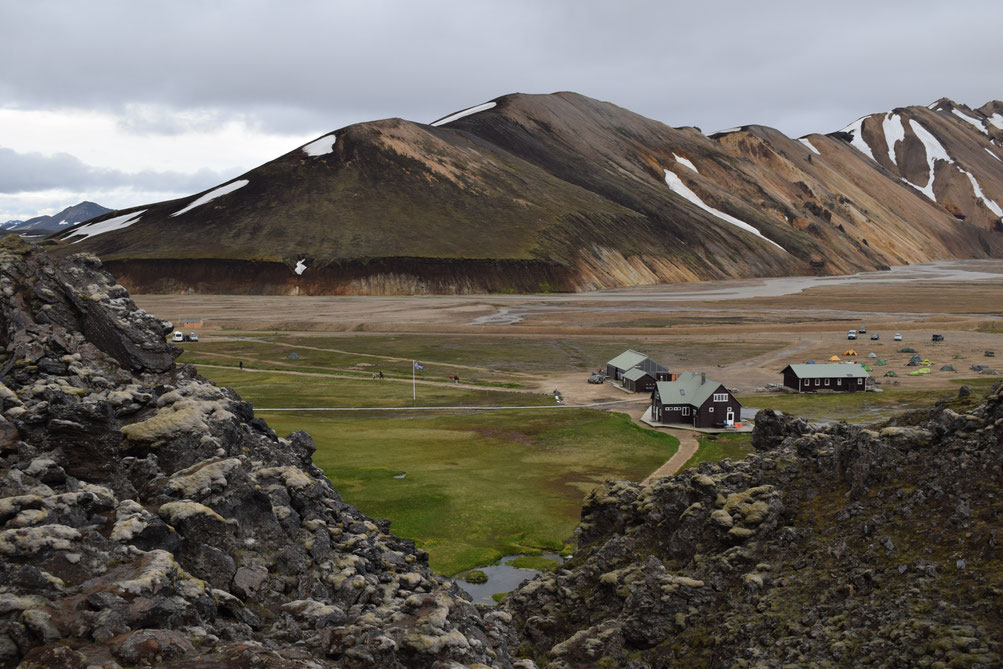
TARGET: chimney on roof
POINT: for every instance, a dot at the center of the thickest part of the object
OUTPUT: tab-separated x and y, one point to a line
703	378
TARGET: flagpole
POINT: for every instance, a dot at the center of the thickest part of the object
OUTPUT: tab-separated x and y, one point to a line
414	391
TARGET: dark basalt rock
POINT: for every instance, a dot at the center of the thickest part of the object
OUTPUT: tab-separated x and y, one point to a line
148	518
830	546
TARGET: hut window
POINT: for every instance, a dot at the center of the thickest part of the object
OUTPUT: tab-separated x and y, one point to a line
686	411
827	382
710	409
720	397
818	382
860	382
839	382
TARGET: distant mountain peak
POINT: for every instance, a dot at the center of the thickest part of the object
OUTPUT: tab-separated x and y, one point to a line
40	226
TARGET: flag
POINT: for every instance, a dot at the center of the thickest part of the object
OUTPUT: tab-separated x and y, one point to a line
418	365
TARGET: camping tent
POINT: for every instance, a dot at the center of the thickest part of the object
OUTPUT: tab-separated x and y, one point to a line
867	368
849	351
891	372
907	350
917	359
872	354
881	362
914	372
912	363
926	363
925	370
948	368
835	358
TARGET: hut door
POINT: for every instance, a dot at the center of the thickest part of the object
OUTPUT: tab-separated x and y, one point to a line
730	416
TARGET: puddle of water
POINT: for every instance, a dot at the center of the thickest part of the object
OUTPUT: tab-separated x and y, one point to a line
502	577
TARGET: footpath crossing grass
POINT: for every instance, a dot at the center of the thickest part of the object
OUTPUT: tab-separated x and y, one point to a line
274	389
478	486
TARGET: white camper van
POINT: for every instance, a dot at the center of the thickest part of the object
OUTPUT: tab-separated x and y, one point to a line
178	336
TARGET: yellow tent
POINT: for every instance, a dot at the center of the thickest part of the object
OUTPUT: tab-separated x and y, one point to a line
835	358
849	352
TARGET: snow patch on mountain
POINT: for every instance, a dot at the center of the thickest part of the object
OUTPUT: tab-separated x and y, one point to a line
994	155
807	142
726	131
855	130
996	120
894	133
300	267
320	146
684	161
212	195
677	186
995	208
460	114
934	151
107	225
974	121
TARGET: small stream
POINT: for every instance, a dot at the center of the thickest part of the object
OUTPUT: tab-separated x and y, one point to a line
502	577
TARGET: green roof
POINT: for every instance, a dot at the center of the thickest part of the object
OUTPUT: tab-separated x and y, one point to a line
687	389
636	374
628	359
829	370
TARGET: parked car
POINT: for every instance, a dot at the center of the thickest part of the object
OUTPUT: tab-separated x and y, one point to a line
898	336
178	336
192	337
875	336
597	378
938	337
852	334
862	330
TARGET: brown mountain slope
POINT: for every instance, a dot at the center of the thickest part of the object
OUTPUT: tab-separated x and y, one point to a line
544	192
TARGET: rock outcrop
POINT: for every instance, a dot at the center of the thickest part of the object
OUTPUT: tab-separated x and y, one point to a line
146	516
828	547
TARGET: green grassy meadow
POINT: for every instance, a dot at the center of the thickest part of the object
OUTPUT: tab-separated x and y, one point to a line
268	389
858	408
478	486
718	447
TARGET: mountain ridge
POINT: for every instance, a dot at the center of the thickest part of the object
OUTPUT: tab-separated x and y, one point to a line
586	193
46	224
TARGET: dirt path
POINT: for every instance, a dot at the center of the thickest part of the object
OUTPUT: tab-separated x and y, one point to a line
391	358
356	377
688	446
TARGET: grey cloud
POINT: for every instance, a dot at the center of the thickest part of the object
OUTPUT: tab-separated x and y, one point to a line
30	172
312	66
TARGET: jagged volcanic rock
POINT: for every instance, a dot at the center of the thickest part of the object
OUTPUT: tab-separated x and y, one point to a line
146	516
837	547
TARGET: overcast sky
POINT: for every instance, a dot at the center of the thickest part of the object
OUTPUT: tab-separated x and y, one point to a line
125	103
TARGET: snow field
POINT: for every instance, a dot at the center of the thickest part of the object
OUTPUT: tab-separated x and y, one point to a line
677	186
934	151
321	146
997	121
995	208
460	114
683	161
101	227
856	131
974	121
807	142
212	195
300	267
894	133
